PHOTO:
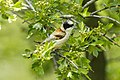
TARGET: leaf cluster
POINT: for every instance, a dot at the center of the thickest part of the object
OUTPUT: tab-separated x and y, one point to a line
43	17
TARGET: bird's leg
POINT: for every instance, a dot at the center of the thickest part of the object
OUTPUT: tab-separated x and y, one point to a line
55	58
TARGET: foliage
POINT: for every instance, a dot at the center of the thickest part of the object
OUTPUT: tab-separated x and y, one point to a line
43	16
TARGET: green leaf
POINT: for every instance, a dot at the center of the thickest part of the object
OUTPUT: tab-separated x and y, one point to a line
93	50
46	50
98	42
62	1
18	4
95	53
12	18
85	12
76	33
83	71
108	26
40	70
29	35
84	63
27	53
69	74
37	26
63	64
87	77
4	16
82	27
37	67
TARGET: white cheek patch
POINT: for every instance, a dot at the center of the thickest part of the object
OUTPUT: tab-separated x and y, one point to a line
70	22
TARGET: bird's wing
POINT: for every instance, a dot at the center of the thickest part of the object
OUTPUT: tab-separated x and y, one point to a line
57	34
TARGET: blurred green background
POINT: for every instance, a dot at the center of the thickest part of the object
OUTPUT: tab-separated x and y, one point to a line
13	66
13	42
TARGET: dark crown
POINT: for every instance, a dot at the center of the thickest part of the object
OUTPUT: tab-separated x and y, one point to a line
67	25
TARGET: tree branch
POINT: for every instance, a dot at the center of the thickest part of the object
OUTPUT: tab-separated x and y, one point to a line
27	20
20	17
74	21
103	9
87	4
104	17
71	17
30	5
55	62
67	16
110	40
68	60
81	16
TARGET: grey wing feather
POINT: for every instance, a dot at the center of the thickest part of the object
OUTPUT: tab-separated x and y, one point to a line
52	37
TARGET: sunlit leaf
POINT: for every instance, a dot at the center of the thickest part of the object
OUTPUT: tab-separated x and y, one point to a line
69	74
108	26
4	16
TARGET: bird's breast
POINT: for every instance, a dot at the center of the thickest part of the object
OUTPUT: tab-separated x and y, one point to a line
60	42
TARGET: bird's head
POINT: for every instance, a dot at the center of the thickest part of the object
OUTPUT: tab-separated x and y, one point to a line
68	25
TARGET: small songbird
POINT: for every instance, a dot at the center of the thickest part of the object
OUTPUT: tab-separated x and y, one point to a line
61	35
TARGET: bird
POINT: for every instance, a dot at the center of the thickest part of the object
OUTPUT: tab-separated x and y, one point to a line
61	35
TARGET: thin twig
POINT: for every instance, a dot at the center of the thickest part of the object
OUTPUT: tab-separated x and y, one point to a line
27	20
103	9
67	16
104	17
53	53
69	60
30	5
74	20
55	62
87	4
19	16
110	40
81	16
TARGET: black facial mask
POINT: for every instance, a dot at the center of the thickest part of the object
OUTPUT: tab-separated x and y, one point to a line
66	25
